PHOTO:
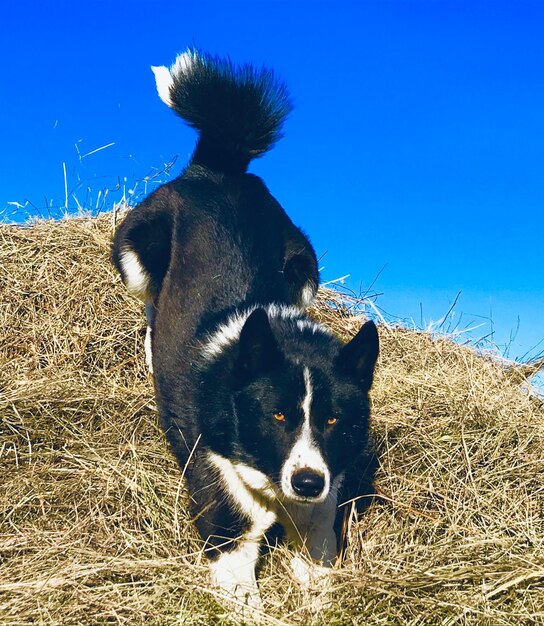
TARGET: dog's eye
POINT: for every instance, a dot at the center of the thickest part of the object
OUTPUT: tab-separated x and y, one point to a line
332	421
279	416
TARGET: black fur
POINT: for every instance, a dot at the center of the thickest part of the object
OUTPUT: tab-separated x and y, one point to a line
237	111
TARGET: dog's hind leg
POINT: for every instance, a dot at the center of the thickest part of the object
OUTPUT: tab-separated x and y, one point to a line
150	315
142	246
300	269
141	252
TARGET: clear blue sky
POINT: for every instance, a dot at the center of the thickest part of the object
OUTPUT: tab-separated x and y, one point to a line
415	151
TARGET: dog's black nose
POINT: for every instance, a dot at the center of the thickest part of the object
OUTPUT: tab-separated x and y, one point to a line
307	483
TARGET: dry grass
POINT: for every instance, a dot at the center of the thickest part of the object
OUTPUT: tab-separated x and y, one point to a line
93	524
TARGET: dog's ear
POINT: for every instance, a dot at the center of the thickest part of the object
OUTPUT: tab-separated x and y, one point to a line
258	349
358	358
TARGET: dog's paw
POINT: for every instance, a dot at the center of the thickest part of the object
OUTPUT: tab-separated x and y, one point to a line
316	582
243	604
233	576
309	574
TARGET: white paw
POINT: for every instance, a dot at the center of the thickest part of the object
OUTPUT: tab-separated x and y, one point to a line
233	574
310	575
315	582
243	601
238	587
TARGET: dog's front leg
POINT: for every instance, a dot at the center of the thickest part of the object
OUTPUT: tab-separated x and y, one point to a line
237	512
319	543
315	574
234	574
311	532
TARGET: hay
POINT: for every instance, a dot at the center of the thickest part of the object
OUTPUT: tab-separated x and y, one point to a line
94	528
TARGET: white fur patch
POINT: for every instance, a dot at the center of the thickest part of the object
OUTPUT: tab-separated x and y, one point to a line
148	351
305	454
305	324
164	76
255	480
134	274
163	81
150	315
234	573
307	402
307	295
250	491
183	62
229	332
307	573
316	582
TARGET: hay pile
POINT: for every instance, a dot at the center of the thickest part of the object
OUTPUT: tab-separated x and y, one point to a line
93	526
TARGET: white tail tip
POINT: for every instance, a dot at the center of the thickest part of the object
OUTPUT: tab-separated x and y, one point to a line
164	76
164	80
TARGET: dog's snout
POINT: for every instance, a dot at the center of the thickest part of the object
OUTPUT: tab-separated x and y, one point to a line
308	483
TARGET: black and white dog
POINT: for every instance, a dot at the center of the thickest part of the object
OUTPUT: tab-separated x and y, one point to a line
266	411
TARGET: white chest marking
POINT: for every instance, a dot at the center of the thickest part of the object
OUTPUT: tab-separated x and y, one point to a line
310	526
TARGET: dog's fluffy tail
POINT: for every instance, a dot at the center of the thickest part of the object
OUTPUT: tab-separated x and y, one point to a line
238	111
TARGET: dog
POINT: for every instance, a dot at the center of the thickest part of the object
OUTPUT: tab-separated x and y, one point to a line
266	410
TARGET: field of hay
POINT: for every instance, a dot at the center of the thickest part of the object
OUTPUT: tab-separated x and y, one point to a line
93	524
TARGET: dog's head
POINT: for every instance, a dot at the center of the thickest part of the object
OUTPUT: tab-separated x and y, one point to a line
299	399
